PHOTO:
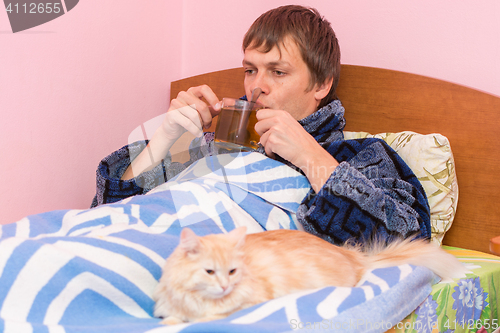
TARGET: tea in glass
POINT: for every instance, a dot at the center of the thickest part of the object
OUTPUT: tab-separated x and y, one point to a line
235	127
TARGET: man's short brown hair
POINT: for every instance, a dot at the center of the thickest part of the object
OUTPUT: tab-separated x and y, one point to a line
313	35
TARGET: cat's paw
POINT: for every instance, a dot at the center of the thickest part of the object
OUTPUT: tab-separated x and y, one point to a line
211	317
171	320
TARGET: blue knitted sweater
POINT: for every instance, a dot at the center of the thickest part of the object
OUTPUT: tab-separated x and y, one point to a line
371	194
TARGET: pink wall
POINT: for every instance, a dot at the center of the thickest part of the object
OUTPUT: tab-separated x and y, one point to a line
458	41
73	89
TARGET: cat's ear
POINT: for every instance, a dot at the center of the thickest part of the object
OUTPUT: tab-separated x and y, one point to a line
238	236
189	241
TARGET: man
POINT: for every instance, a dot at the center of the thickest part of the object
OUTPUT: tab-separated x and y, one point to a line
359	189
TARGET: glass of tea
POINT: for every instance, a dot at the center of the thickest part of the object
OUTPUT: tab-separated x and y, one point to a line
235	125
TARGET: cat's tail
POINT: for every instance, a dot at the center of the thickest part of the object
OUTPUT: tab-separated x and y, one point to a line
415	252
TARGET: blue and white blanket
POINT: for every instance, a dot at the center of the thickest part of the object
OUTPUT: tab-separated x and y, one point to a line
95	270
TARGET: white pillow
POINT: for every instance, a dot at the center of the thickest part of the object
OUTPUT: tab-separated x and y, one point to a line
430	158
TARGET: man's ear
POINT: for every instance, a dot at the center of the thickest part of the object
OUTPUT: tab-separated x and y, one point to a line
321	90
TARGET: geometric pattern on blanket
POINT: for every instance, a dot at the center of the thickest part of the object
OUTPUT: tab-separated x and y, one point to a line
95	270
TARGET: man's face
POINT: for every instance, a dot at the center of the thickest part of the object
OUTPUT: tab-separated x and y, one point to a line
283	77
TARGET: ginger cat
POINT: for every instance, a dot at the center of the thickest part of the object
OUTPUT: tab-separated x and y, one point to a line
210	277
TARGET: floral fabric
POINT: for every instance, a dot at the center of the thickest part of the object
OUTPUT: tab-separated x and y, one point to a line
471	304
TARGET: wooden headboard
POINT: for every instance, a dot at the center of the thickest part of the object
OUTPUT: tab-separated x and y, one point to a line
379	100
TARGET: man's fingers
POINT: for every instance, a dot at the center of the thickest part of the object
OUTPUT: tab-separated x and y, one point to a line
187	99
188	118
204	91
270	113
192	114
264	125
193	97
212	105
264	141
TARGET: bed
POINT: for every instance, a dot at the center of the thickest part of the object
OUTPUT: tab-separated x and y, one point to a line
94	270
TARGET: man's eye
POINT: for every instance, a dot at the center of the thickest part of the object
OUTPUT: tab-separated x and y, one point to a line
249	71
210	271
279	73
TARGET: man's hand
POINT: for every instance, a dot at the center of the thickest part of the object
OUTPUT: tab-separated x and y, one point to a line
281	134
187	112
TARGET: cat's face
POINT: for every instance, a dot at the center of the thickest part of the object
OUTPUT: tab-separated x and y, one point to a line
212	265
216	277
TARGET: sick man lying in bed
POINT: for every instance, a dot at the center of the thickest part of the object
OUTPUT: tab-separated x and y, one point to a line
359	188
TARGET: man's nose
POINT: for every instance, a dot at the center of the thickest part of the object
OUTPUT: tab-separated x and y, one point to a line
261	81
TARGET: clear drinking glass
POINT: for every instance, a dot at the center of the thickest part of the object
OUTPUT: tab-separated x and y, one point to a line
235	127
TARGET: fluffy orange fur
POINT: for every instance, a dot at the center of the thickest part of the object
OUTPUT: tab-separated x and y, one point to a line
213	276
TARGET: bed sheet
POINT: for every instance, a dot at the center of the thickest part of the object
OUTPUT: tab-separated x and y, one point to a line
471	304
95	270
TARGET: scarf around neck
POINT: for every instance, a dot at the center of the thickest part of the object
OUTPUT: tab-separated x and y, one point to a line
325	125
